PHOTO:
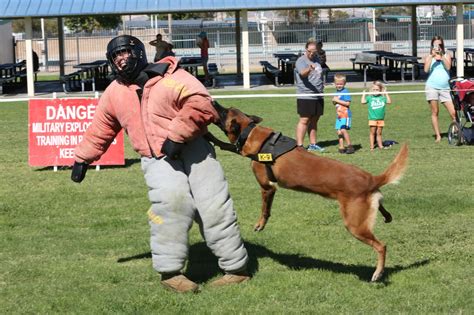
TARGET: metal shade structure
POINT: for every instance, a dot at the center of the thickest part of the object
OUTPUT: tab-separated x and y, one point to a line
64	8
28	9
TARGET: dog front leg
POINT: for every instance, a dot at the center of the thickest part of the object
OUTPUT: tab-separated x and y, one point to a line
268	193
222	145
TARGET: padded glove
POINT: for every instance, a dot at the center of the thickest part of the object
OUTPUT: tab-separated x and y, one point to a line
79	171
172	149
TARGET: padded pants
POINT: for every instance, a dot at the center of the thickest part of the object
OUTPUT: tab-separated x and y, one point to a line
187	189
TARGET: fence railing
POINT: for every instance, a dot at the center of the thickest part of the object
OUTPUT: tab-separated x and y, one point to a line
341	42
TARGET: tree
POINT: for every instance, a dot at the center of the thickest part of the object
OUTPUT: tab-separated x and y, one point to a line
339	15
295	16
313	15
188	16
50	26
448	10
89	23
393	11
330	15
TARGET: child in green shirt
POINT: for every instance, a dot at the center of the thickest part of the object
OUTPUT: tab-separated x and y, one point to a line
376	102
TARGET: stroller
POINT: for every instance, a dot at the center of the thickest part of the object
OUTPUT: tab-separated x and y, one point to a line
462	94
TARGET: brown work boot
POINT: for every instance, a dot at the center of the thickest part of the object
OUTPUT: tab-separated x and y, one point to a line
178	283
230	278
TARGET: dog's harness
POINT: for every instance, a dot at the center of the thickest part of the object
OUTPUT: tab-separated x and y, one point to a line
272	148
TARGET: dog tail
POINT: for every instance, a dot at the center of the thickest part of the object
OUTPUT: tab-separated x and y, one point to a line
395	170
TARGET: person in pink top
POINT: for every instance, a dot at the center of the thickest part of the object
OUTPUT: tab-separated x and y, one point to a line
203	43
165	112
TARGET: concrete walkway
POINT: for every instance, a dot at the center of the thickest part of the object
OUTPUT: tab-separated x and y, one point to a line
45	89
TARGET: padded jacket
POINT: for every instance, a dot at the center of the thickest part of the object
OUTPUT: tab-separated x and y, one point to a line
175	106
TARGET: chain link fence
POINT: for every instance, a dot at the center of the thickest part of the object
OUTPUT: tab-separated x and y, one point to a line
341	41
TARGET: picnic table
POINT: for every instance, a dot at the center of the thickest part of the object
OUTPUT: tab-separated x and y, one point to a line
12	75
191	64
367	61
468	56
403	63
9	70
286	64
285	56
287	68
94	73
387	63
283	72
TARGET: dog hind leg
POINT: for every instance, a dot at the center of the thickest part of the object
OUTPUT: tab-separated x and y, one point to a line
387	217
268	190
359	218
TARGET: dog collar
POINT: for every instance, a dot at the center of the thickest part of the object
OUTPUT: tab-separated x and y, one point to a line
243	136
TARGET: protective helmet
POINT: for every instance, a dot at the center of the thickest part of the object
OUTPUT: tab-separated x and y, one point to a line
135	63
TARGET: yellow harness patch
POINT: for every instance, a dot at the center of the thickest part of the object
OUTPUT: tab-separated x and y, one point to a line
154	218
265	157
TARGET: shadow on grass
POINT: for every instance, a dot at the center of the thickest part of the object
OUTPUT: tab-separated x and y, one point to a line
202	264
329	143
128	163
444	135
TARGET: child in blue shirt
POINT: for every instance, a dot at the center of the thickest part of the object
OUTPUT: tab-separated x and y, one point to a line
342	101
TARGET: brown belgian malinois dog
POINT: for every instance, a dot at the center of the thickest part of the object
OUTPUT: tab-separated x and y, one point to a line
277	159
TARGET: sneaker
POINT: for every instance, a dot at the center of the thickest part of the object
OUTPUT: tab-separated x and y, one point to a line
230	278
350	150
315	148
342	151
178	283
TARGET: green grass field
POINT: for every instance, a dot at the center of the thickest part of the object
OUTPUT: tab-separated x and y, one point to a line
70	248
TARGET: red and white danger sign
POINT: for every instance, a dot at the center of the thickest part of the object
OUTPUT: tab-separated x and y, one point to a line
56	126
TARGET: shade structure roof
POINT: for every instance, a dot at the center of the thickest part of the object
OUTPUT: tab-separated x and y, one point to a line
56	8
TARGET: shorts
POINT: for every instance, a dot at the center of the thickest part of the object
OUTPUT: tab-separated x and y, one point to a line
310	107
433	94
376	123
343	123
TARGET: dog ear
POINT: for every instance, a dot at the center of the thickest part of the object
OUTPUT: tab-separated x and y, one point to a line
255	119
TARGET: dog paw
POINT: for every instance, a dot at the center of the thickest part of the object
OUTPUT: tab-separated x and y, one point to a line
258	227
376	276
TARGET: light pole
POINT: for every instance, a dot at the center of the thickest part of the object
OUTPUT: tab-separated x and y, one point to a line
374	38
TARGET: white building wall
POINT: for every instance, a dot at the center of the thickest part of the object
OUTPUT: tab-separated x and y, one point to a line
6	49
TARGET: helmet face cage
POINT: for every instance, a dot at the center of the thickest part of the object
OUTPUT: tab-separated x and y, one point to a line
137	57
